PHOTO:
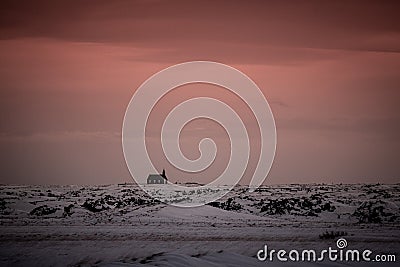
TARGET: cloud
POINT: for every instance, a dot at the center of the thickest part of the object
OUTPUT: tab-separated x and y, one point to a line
60	136
348	25
383	127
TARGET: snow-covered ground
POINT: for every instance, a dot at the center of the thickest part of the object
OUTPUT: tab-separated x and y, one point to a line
119	225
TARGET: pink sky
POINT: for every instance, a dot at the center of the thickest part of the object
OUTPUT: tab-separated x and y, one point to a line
330	71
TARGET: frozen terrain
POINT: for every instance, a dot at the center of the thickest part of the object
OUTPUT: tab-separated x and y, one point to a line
119	225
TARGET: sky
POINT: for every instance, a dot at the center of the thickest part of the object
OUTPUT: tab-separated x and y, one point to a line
330	71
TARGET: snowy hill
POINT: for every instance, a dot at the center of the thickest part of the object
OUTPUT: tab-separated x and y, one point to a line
119	225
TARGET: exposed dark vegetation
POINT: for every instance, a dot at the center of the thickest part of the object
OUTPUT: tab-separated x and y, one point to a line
230	204
374	212
2	204
332	234
68	210
296	206
43	210
108	201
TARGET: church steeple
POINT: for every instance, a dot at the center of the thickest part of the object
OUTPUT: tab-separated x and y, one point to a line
163	174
